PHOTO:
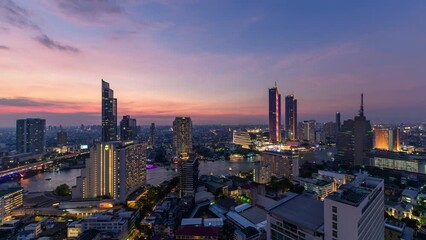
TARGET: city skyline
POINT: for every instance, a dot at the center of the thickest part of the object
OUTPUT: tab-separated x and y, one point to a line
128	44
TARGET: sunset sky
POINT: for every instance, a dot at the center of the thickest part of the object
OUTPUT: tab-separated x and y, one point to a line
211	60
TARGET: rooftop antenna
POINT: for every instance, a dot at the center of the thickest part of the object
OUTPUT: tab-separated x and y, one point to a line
361	110
275	84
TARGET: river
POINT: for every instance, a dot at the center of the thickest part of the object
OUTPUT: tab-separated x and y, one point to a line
38	183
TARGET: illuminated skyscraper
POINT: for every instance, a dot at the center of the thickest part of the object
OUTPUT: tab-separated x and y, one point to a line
291	117
114	170
182	137
31	135
62	138
109	113
363	136
274	115
387	139
128	128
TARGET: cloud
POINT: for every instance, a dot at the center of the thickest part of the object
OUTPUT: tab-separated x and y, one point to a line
90	10
16	15
2	47
49	43
23	102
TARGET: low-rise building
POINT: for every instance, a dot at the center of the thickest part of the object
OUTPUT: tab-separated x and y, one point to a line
10	199
397	230
321	187
193	232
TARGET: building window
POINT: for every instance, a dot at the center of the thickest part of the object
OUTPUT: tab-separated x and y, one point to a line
334	209
334	225
335	234
334	217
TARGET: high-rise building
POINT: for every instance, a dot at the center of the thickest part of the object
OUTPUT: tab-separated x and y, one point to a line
62	138
355	211
296	217
182	137
114	170
151	141
345	143
338	122
328	133
31	135
188	177
109	113
282	164
307	131
363	136
291	117
128	128
274	115
387	139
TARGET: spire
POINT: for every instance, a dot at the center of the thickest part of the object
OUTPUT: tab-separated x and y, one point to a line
361	110
275	84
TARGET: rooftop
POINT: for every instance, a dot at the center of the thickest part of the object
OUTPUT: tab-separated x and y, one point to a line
302	211
410	192
197	231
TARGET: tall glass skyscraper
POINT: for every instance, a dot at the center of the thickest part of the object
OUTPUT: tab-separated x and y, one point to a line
109	113
274	115
31	135
291	117
128	128
182	137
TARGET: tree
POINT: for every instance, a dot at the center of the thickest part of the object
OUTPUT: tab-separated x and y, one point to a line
63	190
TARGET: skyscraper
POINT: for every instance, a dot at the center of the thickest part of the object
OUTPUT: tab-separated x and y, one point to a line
291	117
109	113
356	210
151	141
345	143
30	135
114	169
307	131
274	115
188	176
338	123
363	136
387	139
62	138
182	137
128	128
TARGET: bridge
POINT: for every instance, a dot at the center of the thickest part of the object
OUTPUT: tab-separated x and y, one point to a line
37	165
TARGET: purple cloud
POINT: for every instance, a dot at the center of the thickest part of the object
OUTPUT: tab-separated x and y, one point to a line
49	43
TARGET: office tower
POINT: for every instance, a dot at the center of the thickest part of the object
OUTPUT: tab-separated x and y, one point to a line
307	131
151	141
128	128
345	143
296	217
109	113
188	177
355	211
62	138
282	164
291	117
363	136
242	137
387	139
31	135
182	137
262	173
328	133
114	170
274	115
338	123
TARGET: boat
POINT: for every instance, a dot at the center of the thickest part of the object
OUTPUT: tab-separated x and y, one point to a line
48	179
